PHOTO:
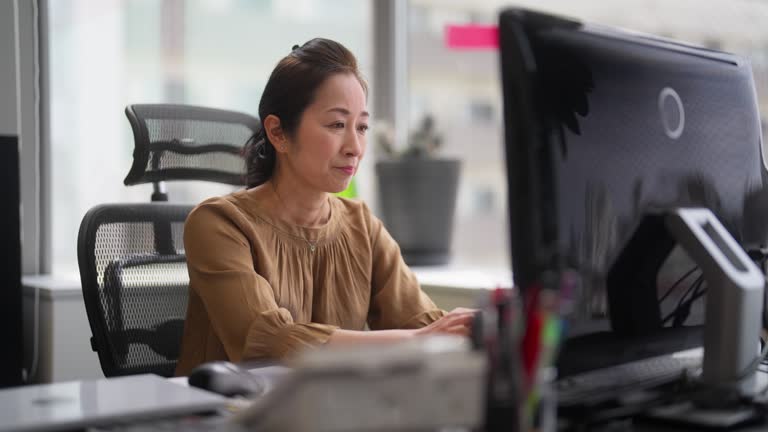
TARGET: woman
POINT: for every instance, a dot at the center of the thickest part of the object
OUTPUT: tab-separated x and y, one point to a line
284	264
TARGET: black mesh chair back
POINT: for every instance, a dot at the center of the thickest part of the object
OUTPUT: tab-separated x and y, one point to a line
182	142
131	257
135	285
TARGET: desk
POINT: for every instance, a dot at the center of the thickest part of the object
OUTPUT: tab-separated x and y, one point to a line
460	286
108	391
64	350
77	404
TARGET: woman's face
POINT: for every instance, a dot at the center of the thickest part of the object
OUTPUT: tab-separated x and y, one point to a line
330	141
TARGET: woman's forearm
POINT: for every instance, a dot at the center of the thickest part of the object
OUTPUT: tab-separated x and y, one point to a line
350	337
456	322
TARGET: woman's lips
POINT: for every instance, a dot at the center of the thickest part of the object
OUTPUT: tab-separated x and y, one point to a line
349	170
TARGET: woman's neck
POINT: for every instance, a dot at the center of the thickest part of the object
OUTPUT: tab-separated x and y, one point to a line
297	205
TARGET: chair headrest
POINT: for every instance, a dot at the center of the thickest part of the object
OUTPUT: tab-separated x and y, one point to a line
184	142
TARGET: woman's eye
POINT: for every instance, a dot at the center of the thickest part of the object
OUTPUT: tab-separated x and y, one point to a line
362	129
337	125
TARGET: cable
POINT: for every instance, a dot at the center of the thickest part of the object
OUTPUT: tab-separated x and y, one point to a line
682	304
691	289
678	282
698	293
685	309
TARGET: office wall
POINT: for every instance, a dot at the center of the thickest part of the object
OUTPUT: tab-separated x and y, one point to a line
21	99
8	89
21	96
10	289
30	75
105	55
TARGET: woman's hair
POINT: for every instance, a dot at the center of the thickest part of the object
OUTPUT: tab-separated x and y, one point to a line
289	91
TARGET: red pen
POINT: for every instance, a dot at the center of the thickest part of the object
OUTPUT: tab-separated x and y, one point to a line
531	343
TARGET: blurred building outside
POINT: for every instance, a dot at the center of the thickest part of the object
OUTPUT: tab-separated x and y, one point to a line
106	54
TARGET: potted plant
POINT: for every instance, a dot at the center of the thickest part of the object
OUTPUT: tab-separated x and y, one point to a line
417	194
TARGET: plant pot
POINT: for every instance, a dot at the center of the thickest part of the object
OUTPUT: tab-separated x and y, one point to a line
418	201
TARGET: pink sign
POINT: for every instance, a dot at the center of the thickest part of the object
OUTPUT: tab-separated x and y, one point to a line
472	37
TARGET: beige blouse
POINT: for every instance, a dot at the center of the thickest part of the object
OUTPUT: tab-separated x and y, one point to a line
260	290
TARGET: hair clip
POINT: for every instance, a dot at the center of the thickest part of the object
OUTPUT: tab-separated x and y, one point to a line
295	47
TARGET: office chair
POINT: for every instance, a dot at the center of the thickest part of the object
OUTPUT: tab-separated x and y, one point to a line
131	256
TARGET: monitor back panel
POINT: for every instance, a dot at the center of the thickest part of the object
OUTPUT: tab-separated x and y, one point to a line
603	127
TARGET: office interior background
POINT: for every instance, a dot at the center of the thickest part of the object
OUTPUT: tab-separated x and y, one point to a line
219	53
105	54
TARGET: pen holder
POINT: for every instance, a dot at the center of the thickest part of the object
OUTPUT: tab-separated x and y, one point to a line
520	381
494	331
540	407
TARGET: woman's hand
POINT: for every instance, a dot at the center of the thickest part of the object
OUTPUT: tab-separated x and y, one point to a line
456	322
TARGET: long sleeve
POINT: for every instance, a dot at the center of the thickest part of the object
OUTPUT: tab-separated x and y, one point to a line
261	288
240	303
397	301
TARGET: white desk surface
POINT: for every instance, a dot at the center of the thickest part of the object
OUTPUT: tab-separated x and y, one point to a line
446	277
65	352
463	277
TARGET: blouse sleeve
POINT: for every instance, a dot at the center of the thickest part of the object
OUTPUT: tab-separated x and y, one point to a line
240	303
397	301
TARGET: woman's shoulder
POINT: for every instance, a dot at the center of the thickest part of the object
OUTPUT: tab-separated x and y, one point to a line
230	206
352	208
216	203
356	213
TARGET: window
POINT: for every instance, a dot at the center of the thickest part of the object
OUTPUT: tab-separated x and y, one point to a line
462	89
105	55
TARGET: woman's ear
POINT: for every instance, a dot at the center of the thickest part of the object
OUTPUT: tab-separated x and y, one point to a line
275	133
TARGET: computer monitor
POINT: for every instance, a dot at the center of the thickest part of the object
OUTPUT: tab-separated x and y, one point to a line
603	126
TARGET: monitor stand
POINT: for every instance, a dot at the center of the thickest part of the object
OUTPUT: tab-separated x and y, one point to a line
732	326
734	301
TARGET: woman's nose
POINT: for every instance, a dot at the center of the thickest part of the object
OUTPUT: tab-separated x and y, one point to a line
354	145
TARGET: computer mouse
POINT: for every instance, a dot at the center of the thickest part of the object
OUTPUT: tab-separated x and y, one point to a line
226	379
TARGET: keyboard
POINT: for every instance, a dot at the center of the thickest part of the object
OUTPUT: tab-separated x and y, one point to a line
604	384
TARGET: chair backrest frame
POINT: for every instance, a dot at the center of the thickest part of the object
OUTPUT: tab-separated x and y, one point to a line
171	142
147	151
110	347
